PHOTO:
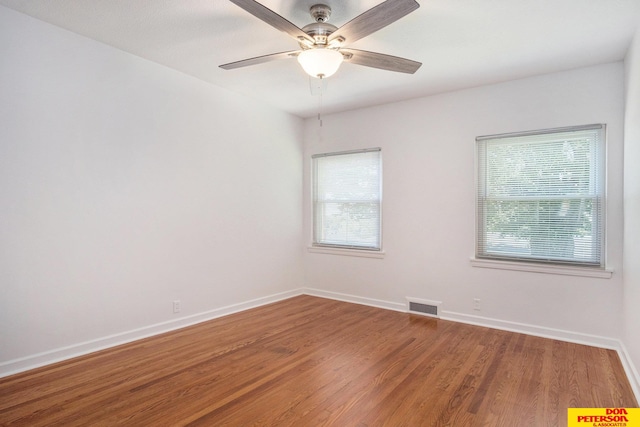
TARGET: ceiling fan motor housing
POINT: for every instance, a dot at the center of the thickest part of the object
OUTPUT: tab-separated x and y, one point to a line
320	31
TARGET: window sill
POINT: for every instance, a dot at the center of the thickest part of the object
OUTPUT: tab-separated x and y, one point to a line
539	268
345	252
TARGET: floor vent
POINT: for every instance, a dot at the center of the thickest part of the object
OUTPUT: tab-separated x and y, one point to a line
427	308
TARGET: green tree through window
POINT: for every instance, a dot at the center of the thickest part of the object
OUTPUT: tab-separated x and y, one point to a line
540	196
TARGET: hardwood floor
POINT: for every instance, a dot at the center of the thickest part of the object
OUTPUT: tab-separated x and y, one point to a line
310	361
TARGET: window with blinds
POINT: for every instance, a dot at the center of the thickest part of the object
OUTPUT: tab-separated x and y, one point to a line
347	197
540	196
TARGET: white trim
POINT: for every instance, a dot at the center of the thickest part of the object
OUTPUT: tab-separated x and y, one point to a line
632	373
542	268
339	153
540	331
63	353
346	252
45	358
522	328
543	131
355	299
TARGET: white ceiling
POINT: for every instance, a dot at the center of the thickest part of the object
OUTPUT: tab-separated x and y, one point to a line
461	43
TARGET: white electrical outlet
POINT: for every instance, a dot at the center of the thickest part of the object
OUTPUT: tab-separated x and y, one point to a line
176	306
476	304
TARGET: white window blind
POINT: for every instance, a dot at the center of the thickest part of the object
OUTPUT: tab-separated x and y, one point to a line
540	196
347	196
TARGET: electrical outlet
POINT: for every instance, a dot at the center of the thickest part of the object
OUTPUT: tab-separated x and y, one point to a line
176	306
476	304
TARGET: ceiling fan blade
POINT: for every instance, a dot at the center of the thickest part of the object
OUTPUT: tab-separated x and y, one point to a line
374	19
380	60
260	60
272	18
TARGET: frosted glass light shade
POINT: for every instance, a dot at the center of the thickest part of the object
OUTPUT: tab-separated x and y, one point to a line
320	63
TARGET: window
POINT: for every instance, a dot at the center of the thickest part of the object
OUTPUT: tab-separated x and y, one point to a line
347	196
540	196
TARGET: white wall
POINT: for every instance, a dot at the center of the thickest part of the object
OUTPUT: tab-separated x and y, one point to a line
428	209
632	207
125	185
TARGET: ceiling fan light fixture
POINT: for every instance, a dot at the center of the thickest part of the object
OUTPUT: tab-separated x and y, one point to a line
320	63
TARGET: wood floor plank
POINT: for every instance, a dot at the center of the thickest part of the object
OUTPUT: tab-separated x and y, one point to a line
312	361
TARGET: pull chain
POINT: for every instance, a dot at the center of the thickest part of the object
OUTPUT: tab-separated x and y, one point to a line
320	112
320	102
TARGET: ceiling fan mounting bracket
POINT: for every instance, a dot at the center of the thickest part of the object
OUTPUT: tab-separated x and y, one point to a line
320	12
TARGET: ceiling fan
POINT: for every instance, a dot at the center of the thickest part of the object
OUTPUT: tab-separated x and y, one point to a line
322	44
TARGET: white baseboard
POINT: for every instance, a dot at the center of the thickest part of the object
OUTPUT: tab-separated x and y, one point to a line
37	360
523	328
538	331
355	299
59	354
557	334
630	369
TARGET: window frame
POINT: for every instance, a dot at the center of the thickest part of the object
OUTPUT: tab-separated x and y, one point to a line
544	264
339	249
